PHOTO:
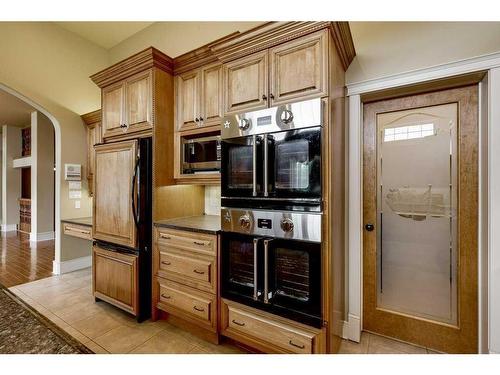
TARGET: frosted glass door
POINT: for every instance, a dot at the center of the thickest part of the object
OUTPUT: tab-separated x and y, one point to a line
416	212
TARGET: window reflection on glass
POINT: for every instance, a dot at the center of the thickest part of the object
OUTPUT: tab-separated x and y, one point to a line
293	164
292	274
241	263
240	167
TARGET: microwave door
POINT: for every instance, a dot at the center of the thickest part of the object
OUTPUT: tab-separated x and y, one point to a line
241	172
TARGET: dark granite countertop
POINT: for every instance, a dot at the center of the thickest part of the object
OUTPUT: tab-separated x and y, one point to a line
202	224
87	221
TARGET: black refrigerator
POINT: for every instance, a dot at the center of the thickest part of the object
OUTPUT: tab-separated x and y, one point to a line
122	224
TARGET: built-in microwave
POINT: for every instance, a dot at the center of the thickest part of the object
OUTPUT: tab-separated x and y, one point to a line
201	154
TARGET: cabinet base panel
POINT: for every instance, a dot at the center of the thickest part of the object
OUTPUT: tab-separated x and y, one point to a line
212	337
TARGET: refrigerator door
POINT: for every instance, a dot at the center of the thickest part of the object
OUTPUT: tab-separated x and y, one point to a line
113	212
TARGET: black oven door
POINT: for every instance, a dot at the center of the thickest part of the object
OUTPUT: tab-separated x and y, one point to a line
293	282
294	164
241	276
241	171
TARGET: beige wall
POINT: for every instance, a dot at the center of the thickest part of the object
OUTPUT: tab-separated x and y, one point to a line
42	174
176	38
386	48
11	177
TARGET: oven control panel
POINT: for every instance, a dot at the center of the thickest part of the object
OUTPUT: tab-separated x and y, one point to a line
304	226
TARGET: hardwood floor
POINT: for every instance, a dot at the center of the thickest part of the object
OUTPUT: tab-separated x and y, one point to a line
22	262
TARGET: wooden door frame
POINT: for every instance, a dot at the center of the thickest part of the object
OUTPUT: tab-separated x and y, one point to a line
446	338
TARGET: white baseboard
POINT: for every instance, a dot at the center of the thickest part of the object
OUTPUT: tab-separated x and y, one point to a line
351	329
45	236
9	227
66	266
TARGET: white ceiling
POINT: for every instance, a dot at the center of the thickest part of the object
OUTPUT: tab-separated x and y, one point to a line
14	111
104	34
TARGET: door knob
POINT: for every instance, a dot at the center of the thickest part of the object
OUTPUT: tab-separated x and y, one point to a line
369	227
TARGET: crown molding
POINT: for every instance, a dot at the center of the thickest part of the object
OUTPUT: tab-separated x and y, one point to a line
143	60
342	38
271	34
199	57
92	117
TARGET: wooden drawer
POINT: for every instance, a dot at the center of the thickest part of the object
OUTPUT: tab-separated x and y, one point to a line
195	270
80	231
190	304
268	332
196	242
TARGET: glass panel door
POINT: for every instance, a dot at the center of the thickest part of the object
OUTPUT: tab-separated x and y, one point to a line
417	212
238	261
237	171
294	274
295	163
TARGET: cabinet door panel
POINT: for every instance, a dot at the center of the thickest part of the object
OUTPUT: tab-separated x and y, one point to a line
113	217
112	109
299	69
245	82
187	95
115	278
211	95
139	102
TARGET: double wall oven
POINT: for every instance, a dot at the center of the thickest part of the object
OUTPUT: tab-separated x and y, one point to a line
272	210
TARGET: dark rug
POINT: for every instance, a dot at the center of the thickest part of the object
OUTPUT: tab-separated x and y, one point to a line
25	331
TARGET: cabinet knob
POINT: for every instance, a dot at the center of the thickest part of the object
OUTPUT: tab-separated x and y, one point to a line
201	118
271	96
264	97
196	119
369	227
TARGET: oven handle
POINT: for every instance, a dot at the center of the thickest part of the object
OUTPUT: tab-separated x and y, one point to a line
255	273
254	166
266	167
266	269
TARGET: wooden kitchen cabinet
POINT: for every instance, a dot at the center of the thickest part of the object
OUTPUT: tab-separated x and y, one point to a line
246	83
199	97
185	272
127	106
136	93
292	71
115	278
93	122
113	216
299	69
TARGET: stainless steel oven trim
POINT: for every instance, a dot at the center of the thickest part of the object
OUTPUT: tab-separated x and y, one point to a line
266	166
266	271
305	114
255	268
306	225
254	166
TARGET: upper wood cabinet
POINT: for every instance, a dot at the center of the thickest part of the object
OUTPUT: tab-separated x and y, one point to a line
136	93
113	219
199	97
292	71
299	69
127	106
246	83
93	122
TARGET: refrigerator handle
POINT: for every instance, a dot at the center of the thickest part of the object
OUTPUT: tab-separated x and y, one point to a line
134	179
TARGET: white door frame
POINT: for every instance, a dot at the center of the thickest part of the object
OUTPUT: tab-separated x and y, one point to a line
489	190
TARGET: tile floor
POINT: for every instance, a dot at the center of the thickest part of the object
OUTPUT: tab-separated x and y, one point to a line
68	302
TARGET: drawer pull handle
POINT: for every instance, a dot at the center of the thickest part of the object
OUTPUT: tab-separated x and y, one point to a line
238	323
166	297
166	263
297	346
198	309
71	229
165	237
199	272
199	243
